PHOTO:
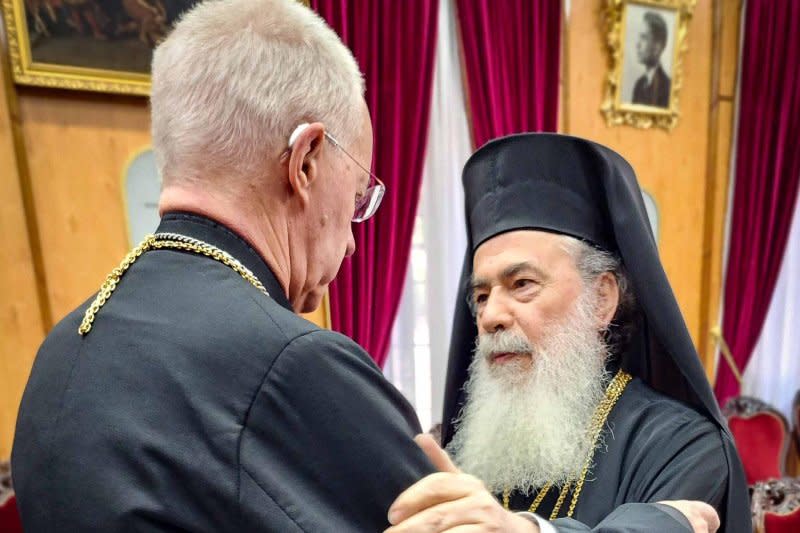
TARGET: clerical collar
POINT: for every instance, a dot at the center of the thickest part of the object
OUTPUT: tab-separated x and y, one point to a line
649	73
216	234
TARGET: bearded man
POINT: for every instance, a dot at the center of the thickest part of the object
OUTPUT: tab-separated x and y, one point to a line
584	401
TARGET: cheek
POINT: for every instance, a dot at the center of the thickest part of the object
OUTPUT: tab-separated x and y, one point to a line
531	320
551	308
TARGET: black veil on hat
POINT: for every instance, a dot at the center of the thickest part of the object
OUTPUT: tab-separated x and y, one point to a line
575	187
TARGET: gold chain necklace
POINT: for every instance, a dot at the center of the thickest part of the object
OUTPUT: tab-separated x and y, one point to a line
160	241
613	393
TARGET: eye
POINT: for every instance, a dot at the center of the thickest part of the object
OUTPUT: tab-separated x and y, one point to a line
523	283
478	299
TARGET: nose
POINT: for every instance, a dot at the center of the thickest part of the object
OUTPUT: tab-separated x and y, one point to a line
495	315
351	244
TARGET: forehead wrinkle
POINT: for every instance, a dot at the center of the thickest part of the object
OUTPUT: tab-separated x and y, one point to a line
482	282
518	268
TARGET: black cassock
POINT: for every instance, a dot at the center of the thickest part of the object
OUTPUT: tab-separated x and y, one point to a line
655	449
197	403
667	445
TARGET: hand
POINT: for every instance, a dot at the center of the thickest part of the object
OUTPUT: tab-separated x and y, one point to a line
451	501
702	517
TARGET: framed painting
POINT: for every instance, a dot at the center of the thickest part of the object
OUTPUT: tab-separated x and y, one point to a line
94	45
646	40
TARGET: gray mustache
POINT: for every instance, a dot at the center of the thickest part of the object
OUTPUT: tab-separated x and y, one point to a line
503	341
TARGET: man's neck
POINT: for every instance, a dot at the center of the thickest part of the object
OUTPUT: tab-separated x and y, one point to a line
267	237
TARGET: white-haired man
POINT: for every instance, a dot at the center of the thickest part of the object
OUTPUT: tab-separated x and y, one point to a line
188	395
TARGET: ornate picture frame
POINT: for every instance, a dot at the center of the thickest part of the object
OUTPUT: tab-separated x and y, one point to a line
88	45
646	40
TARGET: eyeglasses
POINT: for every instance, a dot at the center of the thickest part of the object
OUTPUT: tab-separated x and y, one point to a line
368	204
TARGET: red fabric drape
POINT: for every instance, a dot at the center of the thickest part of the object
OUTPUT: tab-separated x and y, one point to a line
767	176
511	54
394	44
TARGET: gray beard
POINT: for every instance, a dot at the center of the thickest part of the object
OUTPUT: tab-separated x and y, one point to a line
523	428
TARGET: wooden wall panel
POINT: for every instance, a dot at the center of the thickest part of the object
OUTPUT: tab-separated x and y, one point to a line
78	146
730	17
727	18
670	165
21	327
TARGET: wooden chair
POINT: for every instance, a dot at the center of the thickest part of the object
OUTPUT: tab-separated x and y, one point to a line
761	434
776	506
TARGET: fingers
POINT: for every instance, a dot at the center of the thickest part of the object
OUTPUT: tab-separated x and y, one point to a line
435	454
433	490
442	517
710	515
702	517
476	512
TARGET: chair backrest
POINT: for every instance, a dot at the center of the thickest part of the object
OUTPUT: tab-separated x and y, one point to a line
782	523
776	506
762	437
9	516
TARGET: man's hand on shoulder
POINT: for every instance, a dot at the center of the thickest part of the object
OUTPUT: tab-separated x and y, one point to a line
702	517
450	500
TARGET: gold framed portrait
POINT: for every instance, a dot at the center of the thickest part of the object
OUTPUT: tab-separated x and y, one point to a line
647	40
89	45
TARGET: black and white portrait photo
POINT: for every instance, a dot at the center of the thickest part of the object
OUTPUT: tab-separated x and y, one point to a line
649	49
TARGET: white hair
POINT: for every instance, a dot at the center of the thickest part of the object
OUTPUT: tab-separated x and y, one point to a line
522	428
592	262
234	79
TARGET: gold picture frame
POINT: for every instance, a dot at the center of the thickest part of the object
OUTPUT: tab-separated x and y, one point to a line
646	40
88	26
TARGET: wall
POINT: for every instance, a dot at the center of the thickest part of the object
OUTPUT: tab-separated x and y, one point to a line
21	320
684	169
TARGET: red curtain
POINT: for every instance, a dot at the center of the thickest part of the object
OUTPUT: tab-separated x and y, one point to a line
394	44
767	176
512	50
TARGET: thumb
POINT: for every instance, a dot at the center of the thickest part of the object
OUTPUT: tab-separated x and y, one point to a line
435	454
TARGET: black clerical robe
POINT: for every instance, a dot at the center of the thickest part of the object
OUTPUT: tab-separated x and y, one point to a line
197	403
654	449
654	92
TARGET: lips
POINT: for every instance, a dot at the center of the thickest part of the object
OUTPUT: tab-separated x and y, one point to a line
504	357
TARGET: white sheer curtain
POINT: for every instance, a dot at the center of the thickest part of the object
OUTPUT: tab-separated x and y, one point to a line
418	357
773	372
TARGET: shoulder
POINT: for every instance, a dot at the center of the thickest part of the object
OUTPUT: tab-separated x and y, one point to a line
670	451
328	355
659	417
332	370
651	401
325	338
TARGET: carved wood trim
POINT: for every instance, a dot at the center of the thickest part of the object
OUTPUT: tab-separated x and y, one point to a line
6	490
774	496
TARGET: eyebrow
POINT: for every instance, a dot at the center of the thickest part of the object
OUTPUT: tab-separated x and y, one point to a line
508	272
